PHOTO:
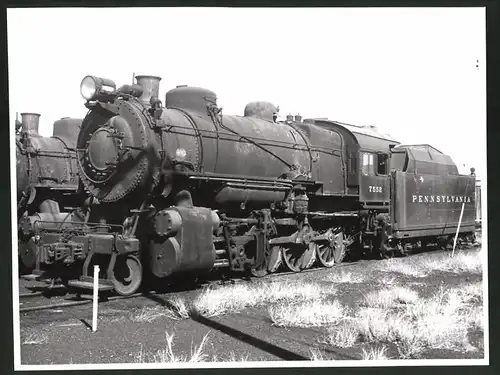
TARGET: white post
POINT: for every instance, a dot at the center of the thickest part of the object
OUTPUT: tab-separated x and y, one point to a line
95	298
458	229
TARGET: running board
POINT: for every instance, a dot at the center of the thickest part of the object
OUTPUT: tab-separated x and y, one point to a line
34	277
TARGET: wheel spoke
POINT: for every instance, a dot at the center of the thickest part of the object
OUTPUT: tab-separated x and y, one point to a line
332	252
309	257
290	259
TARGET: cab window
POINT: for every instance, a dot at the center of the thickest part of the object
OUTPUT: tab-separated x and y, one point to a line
382	164
367	163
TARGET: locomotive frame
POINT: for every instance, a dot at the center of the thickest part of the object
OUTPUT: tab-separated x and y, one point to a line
183	189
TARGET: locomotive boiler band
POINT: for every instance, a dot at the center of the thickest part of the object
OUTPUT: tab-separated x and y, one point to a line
183	189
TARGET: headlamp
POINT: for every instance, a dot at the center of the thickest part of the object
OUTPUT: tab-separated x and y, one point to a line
91	87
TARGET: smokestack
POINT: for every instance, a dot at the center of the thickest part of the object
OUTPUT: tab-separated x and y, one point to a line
30	122
150	87
298	118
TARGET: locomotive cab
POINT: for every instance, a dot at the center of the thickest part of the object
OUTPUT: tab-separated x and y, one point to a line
374	185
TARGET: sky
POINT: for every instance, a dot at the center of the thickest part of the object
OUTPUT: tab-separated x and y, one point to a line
411	72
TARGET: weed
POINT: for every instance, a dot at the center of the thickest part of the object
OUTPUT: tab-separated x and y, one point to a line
375	354
345	277
213	302
167	355
307	314
35	339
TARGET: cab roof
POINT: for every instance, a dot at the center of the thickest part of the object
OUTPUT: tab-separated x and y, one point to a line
368	138
424	157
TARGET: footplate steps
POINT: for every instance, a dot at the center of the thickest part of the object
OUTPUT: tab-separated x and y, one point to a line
89	285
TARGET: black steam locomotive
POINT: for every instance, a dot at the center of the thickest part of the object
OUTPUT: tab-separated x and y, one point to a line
47	179
182	189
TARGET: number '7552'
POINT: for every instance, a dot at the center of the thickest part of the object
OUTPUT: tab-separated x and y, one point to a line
375	189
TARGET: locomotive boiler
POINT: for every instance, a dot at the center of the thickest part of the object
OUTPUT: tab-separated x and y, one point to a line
182	189
47	180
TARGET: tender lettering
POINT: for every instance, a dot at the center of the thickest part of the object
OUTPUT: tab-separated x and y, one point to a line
440	199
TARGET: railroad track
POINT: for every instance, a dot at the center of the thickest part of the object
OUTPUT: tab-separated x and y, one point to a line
32	294
70	302
81	301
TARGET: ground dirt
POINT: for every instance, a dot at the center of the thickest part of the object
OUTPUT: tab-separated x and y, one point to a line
140	329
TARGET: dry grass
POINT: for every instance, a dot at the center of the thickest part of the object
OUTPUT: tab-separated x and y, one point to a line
35	338
461	262
341	276
198	354
394	316
307	314
167	355
386	280
375	354
440	322
401	266
176	309
388	298
344	335
147	314
231	357
232	299
316	355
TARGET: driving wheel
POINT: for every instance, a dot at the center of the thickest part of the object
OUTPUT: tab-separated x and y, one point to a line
331	253
309	256
127	275
293	257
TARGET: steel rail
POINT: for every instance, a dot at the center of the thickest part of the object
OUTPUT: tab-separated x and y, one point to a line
32	294
77	303
203	285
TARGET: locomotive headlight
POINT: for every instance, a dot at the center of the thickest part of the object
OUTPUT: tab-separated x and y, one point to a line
180	154
91	87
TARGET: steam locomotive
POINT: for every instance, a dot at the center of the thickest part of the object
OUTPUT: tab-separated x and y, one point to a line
182	189
47	179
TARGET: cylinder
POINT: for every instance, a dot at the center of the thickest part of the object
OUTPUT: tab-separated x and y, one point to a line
150	87
49	206
46	221
30	122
